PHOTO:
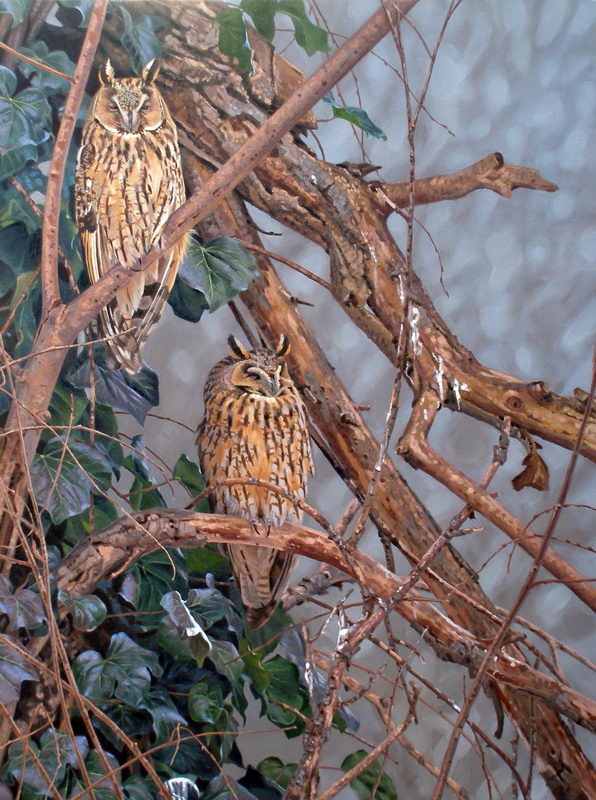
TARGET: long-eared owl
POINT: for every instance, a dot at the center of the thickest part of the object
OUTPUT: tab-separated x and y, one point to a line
128	182
255	427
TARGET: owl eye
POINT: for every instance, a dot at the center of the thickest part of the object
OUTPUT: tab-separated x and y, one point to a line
113	106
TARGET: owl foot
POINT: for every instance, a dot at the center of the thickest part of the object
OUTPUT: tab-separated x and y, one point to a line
261	527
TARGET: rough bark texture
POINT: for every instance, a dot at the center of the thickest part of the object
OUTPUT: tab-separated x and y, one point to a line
217	108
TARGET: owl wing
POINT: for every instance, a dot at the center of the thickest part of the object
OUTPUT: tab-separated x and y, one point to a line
90	183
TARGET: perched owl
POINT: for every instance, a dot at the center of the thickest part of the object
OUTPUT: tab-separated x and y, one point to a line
128	182
255	427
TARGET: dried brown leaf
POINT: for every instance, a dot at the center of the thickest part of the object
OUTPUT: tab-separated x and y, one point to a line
535	474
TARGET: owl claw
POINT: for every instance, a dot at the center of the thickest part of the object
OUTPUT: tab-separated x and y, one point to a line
258	527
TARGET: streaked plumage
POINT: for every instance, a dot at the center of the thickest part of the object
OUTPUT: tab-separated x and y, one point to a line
255	427
128	182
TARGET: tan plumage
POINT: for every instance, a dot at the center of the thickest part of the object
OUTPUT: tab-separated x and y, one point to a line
255	427
128	182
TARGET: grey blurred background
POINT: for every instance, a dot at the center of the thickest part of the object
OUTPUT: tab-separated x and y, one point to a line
515	76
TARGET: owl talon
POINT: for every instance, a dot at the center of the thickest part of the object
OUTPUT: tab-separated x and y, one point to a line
258	527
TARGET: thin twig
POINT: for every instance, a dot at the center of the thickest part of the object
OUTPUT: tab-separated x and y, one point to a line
35	62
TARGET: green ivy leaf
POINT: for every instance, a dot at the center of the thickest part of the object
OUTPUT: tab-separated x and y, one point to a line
170	639
227	662
284	686
18	9
189	475
266	638
62	477
274	768
25	122
106	422
262	13
47	82
309	36
27	309
19	250
96	770
262	787
150	578
233	41
164	715
205	701
104	513
84	7
220	269
141	494
23	607
208	606
135	394
54	753
14	208
253	667
14	669
87	612
221	788
357	116
124	673
187	624
204	560
66	407
370	777
186	302
139	38
138	788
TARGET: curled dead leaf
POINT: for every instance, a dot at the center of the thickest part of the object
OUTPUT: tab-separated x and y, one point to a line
535	474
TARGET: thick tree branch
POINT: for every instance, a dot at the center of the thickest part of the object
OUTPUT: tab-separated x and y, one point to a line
491	172
108	553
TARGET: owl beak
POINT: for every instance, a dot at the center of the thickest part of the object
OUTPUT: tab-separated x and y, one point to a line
132	121
269	384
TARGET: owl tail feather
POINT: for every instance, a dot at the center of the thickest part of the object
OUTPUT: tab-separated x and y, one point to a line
257	617
124	349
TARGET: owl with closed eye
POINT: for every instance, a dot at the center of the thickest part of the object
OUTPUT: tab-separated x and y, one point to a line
128	182
255	427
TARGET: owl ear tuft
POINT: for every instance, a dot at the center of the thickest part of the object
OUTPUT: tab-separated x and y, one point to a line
150	71
236	349
283	346
106	73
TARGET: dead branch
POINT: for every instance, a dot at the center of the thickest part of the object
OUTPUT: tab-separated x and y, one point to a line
491	172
